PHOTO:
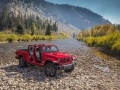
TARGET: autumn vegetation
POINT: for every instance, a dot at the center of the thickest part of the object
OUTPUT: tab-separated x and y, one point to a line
102	35
27	37
27	27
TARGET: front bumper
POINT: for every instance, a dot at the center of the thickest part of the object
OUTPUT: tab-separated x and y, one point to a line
68	66
16	57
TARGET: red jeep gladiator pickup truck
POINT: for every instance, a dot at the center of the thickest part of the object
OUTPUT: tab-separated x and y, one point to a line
47	56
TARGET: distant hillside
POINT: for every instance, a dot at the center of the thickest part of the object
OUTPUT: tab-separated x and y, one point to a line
77	16
69	18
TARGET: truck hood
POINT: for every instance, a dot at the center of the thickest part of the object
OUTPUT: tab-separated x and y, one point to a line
56	55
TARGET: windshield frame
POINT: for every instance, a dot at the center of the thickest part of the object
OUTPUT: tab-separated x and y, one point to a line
57	50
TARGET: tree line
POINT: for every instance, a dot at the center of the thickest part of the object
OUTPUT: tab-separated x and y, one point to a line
102	35
22	23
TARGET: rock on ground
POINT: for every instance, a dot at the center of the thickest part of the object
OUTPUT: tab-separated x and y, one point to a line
88	74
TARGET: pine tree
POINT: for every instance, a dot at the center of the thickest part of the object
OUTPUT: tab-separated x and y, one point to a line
4	17
11	22
33	29
48	30
20	29
55	27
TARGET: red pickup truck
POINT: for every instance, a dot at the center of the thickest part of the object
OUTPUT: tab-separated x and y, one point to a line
47	56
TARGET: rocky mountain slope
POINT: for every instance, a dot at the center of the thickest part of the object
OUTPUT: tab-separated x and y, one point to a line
69	18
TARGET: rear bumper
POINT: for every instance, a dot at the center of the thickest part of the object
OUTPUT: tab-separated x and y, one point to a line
67	66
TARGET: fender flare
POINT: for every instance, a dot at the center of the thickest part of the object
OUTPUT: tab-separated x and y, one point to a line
49	61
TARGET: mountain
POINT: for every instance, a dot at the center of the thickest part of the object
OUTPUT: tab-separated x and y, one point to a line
69	18
77	16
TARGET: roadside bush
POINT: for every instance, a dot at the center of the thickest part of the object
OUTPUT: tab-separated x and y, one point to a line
84	39
100	41
51	37
36	37
116	45
43	38
63	35
80	38
46	37
3	37
107	36
111	39
90	41
27	37
12	38
20	38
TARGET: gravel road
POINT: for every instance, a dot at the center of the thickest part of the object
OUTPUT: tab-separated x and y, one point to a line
91	72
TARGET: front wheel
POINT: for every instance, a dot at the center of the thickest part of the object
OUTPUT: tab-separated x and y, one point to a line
69	70
22	62
50	70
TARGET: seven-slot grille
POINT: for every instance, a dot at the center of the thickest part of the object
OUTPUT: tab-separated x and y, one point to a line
65	59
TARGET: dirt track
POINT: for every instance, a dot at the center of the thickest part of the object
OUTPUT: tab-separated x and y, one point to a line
91	73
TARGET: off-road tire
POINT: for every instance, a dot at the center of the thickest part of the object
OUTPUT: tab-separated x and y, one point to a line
22	62
69	70
50	70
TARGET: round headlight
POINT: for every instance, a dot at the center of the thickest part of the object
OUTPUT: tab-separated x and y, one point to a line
73	58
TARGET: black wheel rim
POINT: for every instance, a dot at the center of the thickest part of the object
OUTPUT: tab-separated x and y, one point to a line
20	61
50	70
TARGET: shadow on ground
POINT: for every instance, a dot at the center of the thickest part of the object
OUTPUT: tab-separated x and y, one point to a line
108	52
30	73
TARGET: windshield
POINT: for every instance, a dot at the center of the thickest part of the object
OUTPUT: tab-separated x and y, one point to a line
50	49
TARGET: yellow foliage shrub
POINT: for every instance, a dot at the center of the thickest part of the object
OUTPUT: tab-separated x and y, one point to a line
111	39
37	37
104	35
51	37
90	41
12	37
116	45
100	41
3	37
26	37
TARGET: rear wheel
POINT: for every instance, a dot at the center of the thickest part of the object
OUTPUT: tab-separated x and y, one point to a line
50	70
22	62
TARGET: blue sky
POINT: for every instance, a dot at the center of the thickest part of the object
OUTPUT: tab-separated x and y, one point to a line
109	9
